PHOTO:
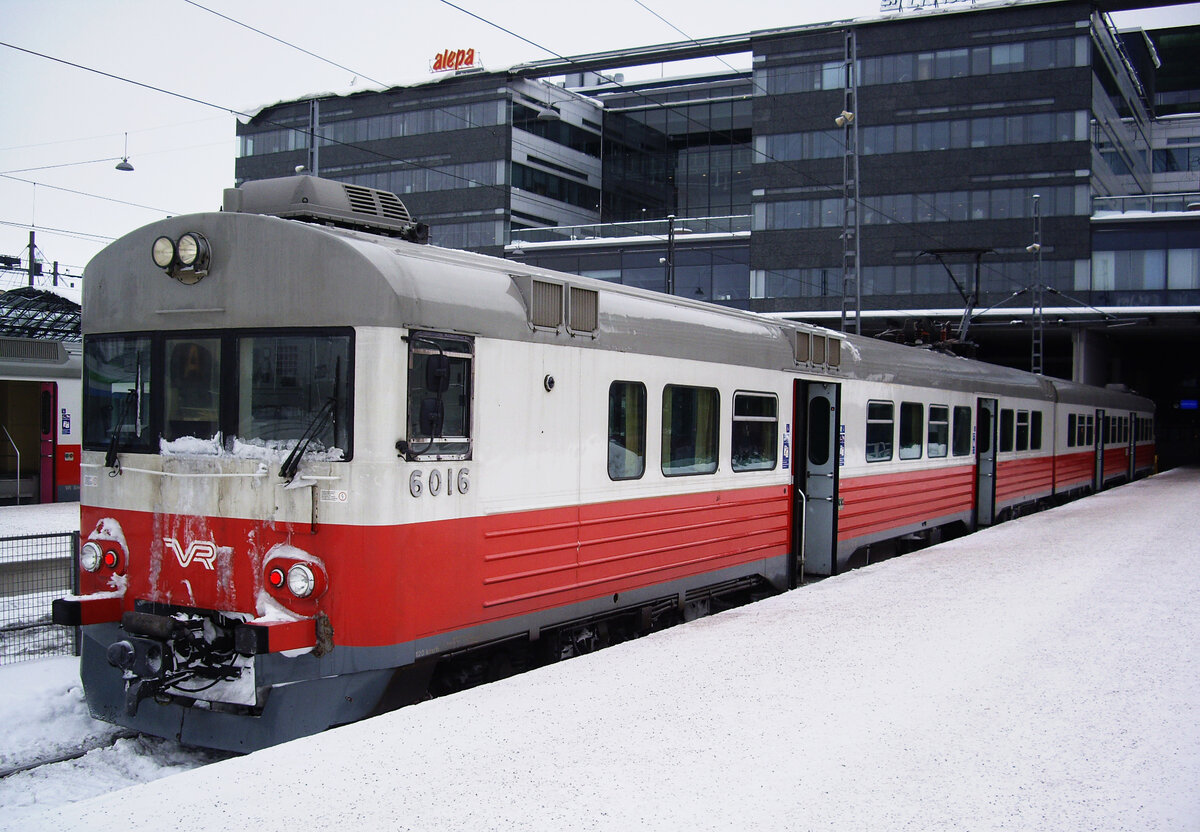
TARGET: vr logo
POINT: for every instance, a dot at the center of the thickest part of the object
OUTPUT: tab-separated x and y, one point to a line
203	551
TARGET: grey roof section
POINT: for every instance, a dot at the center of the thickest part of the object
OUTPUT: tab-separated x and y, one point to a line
265	271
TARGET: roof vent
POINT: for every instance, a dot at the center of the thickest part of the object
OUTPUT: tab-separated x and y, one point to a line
312	199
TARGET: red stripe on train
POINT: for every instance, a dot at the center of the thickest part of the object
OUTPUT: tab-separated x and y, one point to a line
391	584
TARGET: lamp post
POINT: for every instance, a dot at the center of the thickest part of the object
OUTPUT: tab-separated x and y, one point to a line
1035	248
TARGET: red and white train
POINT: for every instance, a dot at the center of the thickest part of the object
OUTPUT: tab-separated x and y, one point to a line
328	469
39	420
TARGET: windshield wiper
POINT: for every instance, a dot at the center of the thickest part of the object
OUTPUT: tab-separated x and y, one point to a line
114	444
317	426
132	397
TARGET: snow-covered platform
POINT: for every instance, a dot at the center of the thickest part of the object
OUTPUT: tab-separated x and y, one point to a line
1042	674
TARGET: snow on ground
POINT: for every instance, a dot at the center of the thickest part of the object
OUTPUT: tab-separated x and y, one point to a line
1042	674
46	518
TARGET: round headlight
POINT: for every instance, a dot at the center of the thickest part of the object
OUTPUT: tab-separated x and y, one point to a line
300	580
91	556
191	247
163	252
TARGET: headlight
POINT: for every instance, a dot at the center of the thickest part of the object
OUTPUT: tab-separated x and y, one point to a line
300	580
193	248
91	556
163	252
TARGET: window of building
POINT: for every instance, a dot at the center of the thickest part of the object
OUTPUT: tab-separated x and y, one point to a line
626	430
755	431
690	422
880	430
912	427
939	431
962	431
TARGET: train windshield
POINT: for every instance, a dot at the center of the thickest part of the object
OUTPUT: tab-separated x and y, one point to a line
262	388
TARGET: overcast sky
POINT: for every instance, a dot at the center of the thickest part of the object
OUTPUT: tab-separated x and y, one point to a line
64	127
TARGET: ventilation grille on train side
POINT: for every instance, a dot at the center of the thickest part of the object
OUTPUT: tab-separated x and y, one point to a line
312	199
814	349
549	304
28	349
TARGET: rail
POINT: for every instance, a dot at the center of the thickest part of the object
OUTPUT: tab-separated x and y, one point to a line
34	570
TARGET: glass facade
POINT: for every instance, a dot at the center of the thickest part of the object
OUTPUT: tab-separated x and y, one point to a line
961	62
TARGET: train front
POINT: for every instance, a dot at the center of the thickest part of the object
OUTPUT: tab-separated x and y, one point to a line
219	401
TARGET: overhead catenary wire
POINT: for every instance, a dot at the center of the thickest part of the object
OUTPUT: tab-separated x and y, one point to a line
286	43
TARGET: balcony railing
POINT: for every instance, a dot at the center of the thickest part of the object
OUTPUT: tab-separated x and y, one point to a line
686	226
1153	203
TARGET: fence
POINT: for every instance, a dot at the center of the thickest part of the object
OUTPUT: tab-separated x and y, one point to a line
34	570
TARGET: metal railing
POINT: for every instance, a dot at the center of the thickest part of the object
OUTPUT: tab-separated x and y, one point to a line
1156	203
34	570
642	228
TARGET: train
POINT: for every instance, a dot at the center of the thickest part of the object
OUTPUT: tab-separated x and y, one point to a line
39	418
329	469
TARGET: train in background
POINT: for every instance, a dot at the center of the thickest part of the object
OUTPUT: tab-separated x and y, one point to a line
329	470
39	420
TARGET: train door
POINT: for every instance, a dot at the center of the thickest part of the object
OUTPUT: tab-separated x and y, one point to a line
1131	445
47	442
1098	476
985	462
815	479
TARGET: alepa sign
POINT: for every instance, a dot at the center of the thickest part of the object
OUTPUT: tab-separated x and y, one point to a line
453	59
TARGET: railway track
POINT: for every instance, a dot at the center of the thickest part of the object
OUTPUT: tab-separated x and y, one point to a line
75	754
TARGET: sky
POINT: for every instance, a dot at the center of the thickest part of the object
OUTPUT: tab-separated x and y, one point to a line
1043	674
65	127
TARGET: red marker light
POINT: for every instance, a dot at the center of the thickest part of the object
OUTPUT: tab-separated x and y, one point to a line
276	577
110	559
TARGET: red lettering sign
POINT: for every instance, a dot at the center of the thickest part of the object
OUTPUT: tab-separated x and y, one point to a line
452	59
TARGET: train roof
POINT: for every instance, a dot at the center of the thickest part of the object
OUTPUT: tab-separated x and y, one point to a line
263	270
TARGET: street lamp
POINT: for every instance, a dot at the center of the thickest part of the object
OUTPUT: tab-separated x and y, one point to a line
124	165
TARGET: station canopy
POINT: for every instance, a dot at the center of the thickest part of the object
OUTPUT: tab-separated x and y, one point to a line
36	313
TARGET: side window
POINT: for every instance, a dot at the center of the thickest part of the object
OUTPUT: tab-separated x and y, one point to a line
939	430
626	430
962	431
755	431
880	427
1035	430
912	429
691	417
1006	430
439	396
1089	439
1022	430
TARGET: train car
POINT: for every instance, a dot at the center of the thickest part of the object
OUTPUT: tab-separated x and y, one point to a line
39	420
329	469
